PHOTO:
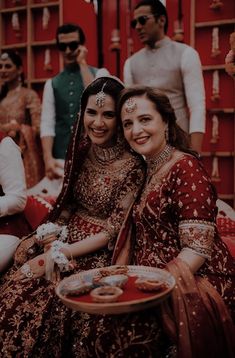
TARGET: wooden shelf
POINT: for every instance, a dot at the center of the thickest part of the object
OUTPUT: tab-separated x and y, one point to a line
14	9
34	41
45	4
215	23
38	80
213	67
221	110
43	43
226	196
217	154
16	45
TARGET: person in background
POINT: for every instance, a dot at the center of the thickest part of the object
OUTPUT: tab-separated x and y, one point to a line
20	111
170	66
12	189
102	178
61	97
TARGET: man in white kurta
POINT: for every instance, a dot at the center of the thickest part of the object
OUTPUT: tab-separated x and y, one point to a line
170	66
12	178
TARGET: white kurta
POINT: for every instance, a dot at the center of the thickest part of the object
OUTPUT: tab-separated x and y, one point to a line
12	178
175	69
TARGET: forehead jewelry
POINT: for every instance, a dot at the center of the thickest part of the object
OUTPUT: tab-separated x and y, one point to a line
130	105
100	97
4	56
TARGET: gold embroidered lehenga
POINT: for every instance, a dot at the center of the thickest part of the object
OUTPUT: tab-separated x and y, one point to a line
176	210
98	188
22	105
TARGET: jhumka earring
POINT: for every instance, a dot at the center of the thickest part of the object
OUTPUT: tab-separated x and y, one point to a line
167	134
100	97
130	105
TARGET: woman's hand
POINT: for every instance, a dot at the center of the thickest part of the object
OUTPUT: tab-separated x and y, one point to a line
32	269
47	240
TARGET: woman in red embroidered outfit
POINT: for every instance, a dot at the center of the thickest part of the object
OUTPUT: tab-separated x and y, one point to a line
102	178
173	228
20	111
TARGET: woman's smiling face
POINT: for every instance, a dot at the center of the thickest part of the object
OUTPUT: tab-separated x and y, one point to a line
100	122
143	126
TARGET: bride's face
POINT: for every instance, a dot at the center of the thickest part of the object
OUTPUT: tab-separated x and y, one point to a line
100	122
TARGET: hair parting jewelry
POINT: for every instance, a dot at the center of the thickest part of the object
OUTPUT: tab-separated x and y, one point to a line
100	97
130	105
4	56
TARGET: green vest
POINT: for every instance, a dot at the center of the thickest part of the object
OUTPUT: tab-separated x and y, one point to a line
68	88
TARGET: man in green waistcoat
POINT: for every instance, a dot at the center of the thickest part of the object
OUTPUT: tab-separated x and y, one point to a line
61	97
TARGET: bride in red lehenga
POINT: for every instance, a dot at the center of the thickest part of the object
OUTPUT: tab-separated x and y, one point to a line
102	178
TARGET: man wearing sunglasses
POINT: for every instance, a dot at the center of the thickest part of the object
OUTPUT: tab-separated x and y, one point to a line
170	66
61	97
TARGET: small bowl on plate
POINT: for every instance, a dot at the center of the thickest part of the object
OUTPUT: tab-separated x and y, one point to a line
149	284
76	288
113	280
106	294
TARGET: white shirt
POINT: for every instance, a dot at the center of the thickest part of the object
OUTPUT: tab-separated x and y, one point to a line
48	116
12	178
158	75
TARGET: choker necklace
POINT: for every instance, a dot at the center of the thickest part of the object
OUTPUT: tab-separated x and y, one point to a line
105	156
154	163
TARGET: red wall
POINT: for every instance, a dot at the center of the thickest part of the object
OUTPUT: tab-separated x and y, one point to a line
83	14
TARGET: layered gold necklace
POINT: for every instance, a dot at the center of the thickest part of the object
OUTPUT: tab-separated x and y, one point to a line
155	162
105	156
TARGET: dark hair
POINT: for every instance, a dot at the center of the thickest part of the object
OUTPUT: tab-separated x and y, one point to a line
67	28
157	7
178	138
15	57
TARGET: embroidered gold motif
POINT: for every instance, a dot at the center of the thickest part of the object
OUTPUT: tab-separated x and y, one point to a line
197	235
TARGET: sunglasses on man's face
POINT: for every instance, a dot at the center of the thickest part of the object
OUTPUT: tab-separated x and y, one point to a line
141	20
7	66
62	46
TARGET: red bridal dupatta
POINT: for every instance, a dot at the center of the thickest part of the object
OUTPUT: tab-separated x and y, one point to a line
195	317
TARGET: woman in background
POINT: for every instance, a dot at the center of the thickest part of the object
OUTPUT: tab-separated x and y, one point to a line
20	111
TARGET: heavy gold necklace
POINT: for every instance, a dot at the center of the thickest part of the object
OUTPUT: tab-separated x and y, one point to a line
155	162
105	156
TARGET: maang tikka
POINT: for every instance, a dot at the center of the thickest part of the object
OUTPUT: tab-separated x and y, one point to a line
4	56
130	105
100	97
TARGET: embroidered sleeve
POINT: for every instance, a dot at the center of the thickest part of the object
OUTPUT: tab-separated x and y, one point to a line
194	202
197	235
